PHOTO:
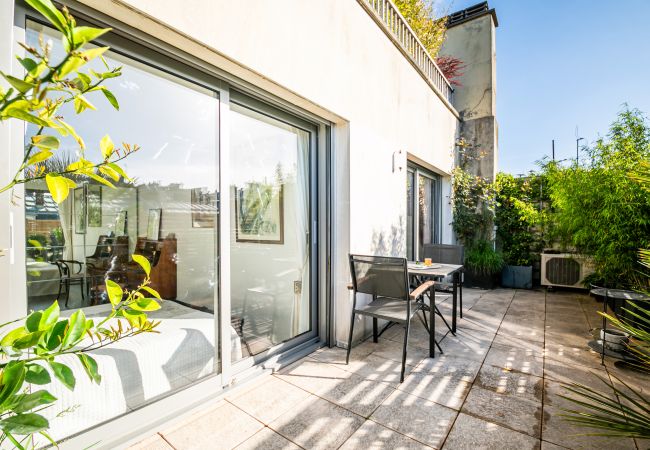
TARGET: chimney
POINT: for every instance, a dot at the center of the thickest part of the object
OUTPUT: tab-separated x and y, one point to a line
471	38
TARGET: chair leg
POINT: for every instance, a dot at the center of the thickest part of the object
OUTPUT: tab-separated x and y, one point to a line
347	356
406	339
58	296
82	287
375	333
444	320
67	292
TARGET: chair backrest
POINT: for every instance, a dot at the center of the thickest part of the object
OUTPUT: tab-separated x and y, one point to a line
380	276
445	254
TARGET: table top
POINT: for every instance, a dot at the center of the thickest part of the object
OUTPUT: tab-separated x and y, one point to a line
437	270
620	294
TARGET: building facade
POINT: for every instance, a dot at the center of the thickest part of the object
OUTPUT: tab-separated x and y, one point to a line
276	138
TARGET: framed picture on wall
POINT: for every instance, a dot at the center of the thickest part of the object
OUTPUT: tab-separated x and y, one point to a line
94	205
153	224
80	206
204	208
120	223
259	213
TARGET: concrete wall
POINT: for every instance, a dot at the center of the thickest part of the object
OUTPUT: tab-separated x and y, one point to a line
474	42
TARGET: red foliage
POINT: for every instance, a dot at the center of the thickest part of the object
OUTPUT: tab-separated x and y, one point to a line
452	68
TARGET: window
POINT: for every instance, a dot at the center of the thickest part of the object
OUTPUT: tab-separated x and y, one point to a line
167	215
423	199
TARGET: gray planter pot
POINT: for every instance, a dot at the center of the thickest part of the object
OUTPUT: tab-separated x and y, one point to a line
518	277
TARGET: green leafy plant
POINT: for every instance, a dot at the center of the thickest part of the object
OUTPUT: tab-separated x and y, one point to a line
621	411
422	19
519	218
482	259
599	210
472	199
31	347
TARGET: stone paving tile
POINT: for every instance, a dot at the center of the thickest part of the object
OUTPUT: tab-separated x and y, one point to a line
422	420
392	350
517	359
470	433
517	384
232	426
155	442
372	436
376	368
520	414
550	446
313	376
269	400
573	354
268	440
317	424
569	373
561	432
554	394
445	380
468	344
534	348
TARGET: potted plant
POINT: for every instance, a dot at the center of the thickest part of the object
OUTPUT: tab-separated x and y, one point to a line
518	219
483	264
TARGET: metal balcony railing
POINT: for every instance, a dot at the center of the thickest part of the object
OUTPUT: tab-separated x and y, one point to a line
394	24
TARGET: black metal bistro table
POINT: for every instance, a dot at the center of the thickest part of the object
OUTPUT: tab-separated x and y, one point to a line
617	295
441	271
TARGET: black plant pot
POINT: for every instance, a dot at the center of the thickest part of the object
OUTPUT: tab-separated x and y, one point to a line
518	277
480	280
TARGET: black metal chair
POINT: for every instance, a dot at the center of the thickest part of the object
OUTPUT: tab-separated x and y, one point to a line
448	254
69	277
387	280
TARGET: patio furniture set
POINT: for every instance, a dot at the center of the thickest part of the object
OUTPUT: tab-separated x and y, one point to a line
402	290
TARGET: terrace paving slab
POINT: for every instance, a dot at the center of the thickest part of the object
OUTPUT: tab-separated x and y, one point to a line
470	433
517	413
373	436
497	386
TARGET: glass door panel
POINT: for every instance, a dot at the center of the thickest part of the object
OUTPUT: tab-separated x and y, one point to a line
168	215
410	213
425	212
269	239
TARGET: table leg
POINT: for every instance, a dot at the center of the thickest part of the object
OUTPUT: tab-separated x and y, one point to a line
454	306
432	322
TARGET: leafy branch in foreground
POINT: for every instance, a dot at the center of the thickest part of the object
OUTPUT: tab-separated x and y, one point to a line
31	347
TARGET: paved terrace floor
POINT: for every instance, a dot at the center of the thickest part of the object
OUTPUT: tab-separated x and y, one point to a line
497	387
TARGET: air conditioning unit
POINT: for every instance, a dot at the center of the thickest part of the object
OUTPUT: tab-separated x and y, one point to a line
565	269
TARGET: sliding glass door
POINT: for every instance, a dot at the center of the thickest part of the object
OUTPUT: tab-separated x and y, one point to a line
270	247
423	197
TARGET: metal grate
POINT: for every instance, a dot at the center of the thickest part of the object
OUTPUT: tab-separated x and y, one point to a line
467	13
387	15
563	271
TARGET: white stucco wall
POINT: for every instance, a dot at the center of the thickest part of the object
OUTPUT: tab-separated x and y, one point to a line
334	60
331	59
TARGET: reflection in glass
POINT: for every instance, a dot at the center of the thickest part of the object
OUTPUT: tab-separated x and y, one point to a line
72	248
269	197
425	212
410	210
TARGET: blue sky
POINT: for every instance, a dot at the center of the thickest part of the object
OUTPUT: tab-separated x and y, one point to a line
562	64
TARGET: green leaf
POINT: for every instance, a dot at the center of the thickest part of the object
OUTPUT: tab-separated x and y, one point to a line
67	128
82	35
110	97
106	146
28	402
55	337
40	157
13	376
84	78
37	374
21	114
119	170
135	318
21	86
64	374
32	321
58	187
114	292
145	304
50	12
152	291
45	142
99	179
28	341
9	339
50	316
143	262
90	365
109	172
28	63
81	103
24	423
76	329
